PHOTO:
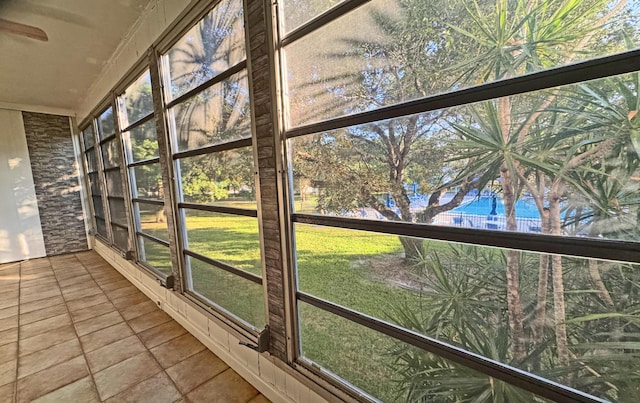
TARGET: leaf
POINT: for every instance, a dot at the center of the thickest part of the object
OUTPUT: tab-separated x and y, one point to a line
597	316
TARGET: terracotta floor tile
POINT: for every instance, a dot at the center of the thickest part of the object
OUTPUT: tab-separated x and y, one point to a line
8	336
41	304
176	350
37	289
8	352
114	285
8	323
158	388
97	323
129	300
82	390
228	387
9	274
63	275
259	399
9	287
46	340
196	370
40	295
8	312
101	338
122	292
68	289
119	377
92	311
133	311
109	279
30	274
162	333
43	359
9	303
70	282
9	266
85	302
46	325
43	382
81	293
149	320
8	372
9	296
45	313
114	353
24	284
6	393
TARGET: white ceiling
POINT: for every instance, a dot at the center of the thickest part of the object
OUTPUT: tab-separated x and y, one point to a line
83	34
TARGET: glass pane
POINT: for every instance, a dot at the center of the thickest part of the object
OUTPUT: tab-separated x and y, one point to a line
137	100
114	183
120	237
98	208
153	221
297	12
118	212
463	295
144	142
224	178
156	255
391	370
148	181
101	227
385	52
237	295
106	124
111	154
92	165
93	182
217	115
231	239
214	45
88	137
560	162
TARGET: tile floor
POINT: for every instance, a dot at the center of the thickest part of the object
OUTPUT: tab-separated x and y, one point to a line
72	329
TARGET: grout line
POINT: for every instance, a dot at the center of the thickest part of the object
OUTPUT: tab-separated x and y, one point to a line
15	385
137	336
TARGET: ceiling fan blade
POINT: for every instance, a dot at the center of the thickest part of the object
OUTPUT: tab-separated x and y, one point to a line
22	29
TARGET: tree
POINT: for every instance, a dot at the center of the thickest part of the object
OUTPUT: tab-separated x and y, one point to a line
355	166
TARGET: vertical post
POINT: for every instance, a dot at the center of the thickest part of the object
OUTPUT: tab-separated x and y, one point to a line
263	85
124	178
166	167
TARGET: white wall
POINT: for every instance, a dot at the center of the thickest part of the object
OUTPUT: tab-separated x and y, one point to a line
20	231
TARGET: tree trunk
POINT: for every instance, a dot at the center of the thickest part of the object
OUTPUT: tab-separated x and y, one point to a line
412	248
594	273
514	304
558	285
543	284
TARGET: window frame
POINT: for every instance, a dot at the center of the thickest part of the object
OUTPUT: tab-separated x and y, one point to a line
616	250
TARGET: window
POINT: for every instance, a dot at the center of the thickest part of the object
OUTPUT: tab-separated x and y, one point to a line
93	175
110	149
207	96
446	212
135	111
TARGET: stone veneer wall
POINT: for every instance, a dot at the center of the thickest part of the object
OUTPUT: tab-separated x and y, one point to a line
55	174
